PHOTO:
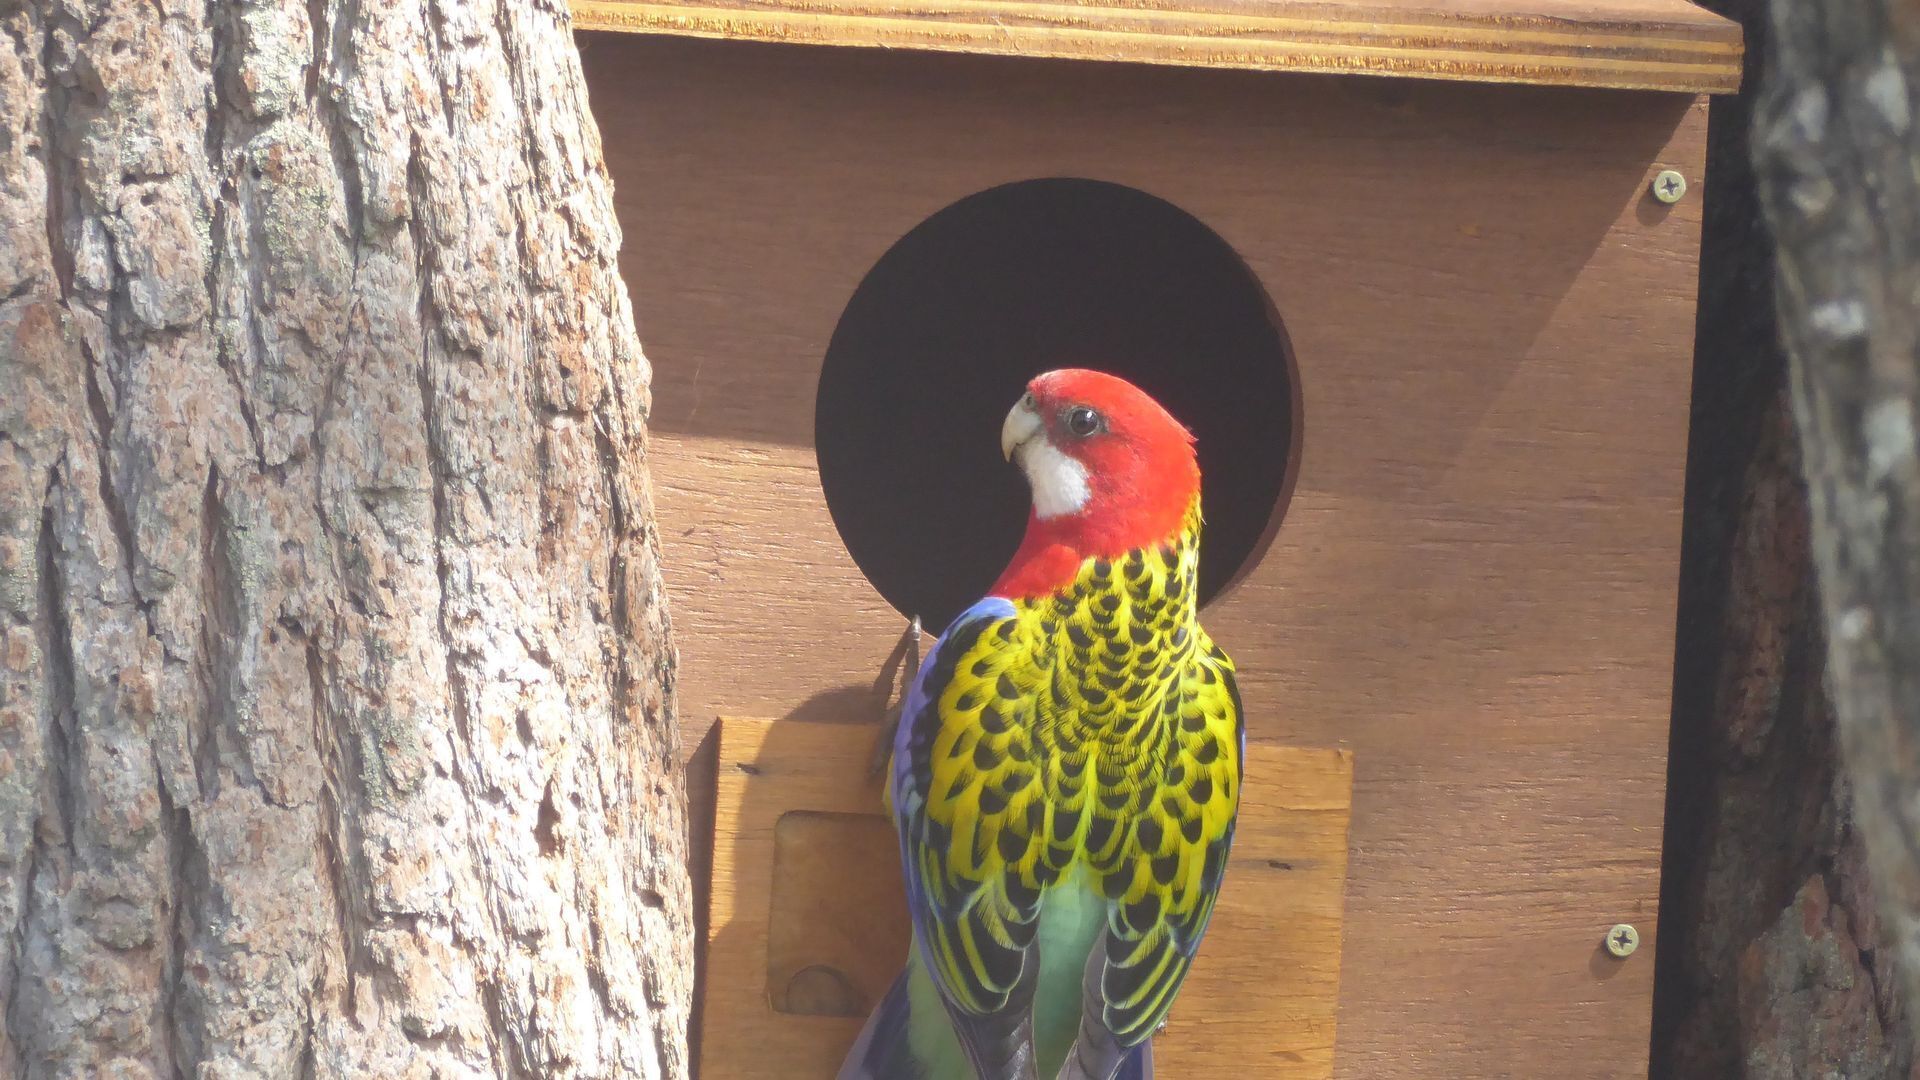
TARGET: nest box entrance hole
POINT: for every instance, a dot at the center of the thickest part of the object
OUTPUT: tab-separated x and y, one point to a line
943	333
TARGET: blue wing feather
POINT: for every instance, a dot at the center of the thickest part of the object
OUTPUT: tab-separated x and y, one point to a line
883	1052
1138	1065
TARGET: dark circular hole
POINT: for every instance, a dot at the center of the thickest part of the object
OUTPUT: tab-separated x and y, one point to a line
945	330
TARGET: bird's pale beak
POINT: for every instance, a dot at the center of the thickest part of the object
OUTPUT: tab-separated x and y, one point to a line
1022	424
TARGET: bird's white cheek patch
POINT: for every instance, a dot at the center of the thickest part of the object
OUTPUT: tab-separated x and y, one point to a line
1059	482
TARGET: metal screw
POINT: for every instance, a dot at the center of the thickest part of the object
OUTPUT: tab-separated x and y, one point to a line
1669	187
1622	940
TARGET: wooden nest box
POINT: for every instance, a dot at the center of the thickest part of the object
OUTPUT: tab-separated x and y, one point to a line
1434	334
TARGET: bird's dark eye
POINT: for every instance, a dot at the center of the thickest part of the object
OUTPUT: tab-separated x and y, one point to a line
1082	421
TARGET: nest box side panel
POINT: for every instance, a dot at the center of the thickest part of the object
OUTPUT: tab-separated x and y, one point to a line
1473	587
808	925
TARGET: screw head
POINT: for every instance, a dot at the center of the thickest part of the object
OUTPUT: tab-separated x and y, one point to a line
1622	940
1669	187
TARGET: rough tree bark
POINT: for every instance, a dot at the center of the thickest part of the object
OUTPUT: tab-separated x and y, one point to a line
336	731
1771	961
1838	157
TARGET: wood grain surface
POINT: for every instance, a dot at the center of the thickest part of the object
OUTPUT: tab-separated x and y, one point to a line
807	902
1473	585
1640	44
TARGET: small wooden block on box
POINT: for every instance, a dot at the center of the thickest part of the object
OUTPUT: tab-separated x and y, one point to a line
808	925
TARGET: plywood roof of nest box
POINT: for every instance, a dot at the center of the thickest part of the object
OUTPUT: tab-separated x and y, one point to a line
1627	44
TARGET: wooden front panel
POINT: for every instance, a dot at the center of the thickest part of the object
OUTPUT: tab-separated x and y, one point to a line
1473	588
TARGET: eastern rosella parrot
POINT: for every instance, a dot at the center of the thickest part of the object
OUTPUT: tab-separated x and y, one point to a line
1066	768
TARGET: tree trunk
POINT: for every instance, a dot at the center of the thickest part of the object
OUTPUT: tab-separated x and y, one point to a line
1772	965
1838	157
336	730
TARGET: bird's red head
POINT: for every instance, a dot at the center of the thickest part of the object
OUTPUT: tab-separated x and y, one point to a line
1110	470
